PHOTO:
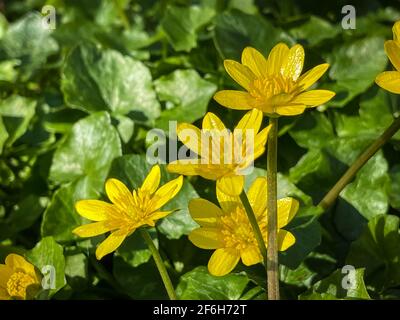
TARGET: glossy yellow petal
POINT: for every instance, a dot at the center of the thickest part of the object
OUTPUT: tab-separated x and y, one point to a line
190	136
4	294
260	141
18	263
223	261
392	49
240	73
233	99
160	214
152	181
257	195
312	76
91	229
111	243
251	120
204	212
285	240
251	255
255	61
276	58
232	185
389	80
95	210
293	65
212	122
187	167
206	238
5	274
396	31
228	202
287	208
290	110
119	194
167	192
313	97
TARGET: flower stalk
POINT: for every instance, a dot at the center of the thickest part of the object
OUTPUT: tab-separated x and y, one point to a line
159	263
256	228
348	176
272	265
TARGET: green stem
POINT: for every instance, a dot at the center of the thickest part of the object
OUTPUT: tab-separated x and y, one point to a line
348	176
160	264
256	228
272	266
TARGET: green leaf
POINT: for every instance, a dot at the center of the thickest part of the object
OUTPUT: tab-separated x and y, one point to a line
76	270
95	79
186	95
353	68
331	288
180	24
48	255
17	113
395	187
235	30
377	250
198	284
132	169
87	151
29	41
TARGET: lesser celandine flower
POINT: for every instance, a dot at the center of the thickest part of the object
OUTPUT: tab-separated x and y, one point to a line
229	154
227	228
390	80
18	278
128	210
274	85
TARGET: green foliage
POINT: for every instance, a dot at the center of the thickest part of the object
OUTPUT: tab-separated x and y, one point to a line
77	102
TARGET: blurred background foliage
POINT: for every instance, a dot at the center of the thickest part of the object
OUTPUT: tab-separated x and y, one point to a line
77	102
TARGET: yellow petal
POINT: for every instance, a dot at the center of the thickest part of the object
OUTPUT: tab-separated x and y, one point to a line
206	238
313	97
233	99
190	136
251	120
159	215
255	61
392	49
204	212
223	261
4	294
113	241
290	110
240	73
389	80
276	58
18	263
293	65
167	192
285	240
95	210
232	185
187	167
396	31
257	195
5	274
287	208
312	76
212	122
228	202
91	229
152	181
119	194
251	255
258	148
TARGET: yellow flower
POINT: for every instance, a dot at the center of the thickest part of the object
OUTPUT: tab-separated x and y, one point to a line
228	230
128	211
390	80
226	160
274	85
18	279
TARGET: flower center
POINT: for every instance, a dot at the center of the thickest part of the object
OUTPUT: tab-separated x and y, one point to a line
268	87
237	231
18	283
